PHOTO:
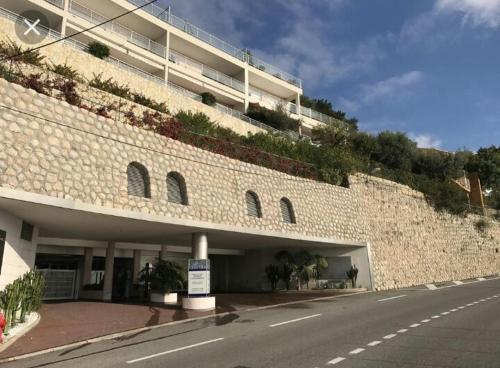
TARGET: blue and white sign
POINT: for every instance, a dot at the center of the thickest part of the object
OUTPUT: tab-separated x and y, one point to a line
198	277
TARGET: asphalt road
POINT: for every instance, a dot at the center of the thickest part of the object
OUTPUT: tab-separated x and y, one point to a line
449	327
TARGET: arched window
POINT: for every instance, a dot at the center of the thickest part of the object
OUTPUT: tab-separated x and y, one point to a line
176	189
138	180
287	211
253	205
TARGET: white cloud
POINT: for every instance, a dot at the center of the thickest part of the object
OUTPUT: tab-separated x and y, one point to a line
476	12
391	86
426	140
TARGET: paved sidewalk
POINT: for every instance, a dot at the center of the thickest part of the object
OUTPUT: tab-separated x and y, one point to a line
67	322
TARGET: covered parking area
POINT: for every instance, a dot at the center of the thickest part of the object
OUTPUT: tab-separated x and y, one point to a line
101	241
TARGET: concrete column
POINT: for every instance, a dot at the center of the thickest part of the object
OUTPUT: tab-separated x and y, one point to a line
87	265
298	104
108	272
247	89
200	246
163	252
65	18
137	266
167	50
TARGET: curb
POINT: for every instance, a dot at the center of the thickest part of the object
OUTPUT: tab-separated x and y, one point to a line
173	323
21	333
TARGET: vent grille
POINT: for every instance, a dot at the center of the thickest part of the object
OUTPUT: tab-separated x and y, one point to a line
176	189
287	211
138	180
253	205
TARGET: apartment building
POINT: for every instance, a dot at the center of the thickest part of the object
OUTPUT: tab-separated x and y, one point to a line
157	44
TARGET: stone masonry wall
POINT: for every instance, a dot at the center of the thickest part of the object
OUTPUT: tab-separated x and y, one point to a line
88	66
412	244
66	152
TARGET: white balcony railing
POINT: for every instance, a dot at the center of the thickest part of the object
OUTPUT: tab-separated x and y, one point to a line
58	3
208	72
131	36
216	42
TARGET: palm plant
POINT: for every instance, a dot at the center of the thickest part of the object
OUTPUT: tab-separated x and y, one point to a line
164	277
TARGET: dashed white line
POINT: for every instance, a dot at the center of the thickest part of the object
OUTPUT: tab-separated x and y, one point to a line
373	343
356	351
403	330
336	360
425	320
445	313
461	307
435	317
294	320
415	325
174	350
470	305
475	302
453	310
482	300
391	298
390	336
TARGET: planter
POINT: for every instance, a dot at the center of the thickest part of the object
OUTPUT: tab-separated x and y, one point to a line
164	298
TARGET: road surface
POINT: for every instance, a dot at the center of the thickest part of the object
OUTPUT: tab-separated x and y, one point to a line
449	327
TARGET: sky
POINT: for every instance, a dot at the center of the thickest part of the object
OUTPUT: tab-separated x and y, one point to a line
428	68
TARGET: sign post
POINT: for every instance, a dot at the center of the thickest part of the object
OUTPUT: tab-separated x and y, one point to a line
198	277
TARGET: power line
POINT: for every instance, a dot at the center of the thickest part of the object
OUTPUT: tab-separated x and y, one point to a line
79	32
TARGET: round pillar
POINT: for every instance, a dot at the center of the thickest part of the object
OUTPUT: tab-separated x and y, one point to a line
199	246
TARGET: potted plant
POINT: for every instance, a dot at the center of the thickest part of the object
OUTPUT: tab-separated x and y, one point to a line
163	279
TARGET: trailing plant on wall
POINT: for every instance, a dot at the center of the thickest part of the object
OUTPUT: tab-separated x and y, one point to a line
109	85
65	71
22	297
98	50
18	54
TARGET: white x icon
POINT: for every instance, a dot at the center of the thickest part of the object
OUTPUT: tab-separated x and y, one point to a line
32	27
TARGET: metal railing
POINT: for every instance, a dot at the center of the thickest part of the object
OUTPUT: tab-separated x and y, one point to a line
205	70
131	36
58	3
216	42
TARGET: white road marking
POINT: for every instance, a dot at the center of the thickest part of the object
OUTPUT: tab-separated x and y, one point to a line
425	320
470	305
174	350
431	286
453	310
445	313
458	282
482	300
373	343
495	296
387	337
356	351
435	317
394	297
481	279
461	307
466	283
403	330
336	360
415	325
475	302
294	320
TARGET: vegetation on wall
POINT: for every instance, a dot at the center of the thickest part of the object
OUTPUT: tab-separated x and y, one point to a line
338	150
20	298
208	99
325	107
98	50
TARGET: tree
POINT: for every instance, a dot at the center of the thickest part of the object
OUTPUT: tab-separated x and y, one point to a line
395	150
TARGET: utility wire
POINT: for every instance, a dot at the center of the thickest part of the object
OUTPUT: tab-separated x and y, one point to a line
77	33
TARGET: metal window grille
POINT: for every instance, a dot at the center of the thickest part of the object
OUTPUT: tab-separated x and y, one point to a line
176	189
253	205
138	180
287	211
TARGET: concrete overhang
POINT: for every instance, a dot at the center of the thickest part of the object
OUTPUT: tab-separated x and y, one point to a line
70	219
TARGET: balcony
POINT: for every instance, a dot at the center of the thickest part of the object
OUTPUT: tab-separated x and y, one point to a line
131	36
206	71
216	42
58	3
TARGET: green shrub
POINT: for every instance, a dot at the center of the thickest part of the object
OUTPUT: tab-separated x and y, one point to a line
148	102
16	53
208	99
66	71
277	119
98	50
109	85
165	276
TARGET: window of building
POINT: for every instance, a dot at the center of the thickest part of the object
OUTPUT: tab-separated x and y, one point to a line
138	180
253	205
26	231
176	188
287	213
